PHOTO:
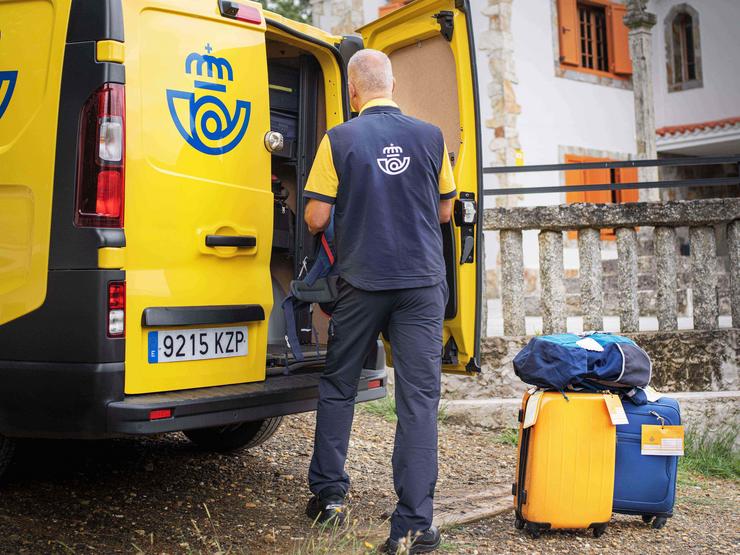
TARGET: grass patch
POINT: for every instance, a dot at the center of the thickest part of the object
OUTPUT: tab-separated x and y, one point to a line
328	539
711	456
386	409
508	437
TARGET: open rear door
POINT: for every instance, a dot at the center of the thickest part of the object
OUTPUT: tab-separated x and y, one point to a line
30	75
430	43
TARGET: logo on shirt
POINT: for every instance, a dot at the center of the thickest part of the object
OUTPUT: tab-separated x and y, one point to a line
202	118
393	163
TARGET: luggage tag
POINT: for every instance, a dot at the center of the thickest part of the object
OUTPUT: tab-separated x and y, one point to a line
533	408
590	344
662	440
651	394
616	410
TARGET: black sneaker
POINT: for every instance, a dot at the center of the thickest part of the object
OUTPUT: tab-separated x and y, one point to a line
330	509
423	543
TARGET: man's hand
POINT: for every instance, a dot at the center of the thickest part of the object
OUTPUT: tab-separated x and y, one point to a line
445	210
317	216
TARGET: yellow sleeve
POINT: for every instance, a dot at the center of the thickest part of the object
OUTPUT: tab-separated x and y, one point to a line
446	179
322	181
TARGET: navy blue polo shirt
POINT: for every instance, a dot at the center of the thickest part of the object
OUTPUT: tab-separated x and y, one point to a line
386	173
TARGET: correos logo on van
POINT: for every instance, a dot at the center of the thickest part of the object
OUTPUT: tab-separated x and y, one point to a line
7	85
204	120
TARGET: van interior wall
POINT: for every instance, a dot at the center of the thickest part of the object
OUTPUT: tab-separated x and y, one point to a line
297	98
432	96
429	95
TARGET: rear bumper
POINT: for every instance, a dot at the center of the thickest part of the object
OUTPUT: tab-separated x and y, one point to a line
218	406
73	400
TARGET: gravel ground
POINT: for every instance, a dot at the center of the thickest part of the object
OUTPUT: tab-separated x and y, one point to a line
162	495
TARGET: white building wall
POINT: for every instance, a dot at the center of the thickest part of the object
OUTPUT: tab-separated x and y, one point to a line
559	112
719	21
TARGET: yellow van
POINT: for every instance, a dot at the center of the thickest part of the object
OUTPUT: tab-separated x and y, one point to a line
150	222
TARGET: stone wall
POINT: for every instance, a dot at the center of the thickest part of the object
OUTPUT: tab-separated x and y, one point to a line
688	360
498	43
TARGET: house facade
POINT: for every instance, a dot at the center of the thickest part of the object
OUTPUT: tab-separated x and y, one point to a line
556	86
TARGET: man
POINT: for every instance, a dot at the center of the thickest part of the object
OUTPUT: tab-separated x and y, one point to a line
389	177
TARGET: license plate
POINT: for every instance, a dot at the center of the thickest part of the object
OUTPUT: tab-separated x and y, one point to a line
182	345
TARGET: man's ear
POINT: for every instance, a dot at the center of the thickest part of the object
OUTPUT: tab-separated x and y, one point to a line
352	95
393	89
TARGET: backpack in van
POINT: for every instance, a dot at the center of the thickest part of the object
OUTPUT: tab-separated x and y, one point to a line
319	285
599	360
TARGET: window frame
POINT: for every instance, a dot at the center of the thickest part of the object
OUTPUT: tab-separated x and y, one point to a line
611	46
674	85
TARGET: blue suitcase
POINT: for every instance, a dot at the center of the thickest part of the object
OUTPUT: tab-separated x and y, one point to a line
645	484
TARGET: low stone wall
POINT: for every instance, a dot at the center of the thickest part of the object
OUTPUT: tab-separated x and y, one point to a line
687	360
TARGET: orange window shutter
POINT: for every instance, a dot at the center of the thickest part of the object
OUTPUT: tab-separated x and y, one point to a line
568	32
620	61
574	177
598	177
628	175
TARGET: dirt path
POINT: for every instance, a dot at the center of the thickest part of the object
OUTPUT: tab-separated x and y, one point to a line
161	495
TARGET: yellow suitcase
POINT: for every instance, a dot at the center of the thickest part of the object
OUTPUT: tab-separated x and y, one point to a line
565	469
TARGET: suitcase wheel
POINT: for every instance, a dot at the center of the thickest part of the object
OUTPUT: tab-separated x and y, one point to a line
647	519
518	523
659	522
599	530
533	530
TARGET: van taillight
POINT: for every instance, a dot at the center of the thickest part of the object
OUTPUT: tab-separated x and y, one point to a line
116	308
101	155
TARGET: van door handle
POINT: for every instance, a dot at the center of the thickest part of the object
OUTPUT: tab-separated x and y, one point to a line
238	241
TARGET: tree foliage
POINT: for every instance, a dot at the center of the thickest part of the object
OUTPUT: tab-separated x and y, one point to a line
297	10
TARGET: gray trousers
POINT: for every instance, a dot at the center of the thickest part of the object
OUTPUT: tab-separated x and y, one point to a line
412	320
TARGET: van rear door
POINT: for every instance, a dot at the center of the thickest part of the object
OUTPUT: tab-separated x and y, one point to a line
430	43
30	77
199	205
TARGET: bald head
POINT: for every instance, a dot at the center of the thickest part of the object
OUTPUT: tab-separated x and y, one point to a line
370	75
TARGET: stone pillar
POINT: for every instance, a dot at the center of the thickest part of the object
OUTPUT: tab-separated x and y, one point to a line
551	278
640	23
498	43
704	277
589	261
665	276
733	242
629	310
512	282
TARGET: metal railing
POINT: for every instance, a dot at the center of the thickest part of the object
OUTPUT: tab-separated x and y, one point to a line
617	164
700	216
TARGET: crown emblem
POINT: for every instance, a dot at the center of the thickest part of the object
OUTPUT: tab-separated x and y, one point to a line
205	65
392	151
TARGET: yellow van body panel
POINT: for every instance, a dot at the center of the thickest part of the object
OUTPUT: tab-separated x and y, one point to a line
197	111
30	77
413	26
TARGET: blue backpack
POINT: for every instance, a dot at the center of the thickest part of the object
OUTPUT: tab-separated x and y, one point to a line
593	361
318	286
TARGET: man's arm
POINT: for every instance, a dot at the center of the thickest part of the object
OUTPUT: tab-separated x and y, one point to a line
318	215
321	189
445	210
